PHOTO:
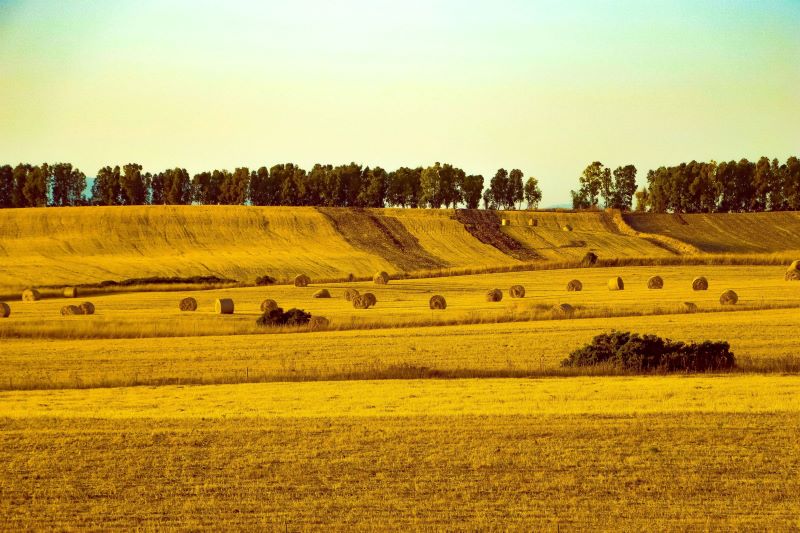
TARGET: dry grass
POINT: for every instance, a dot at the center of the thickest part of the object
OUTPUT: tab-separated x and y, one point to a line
524	454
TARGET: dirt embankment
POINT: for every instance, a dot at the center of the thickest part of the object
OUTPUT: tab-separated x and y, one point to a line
383	236
485	226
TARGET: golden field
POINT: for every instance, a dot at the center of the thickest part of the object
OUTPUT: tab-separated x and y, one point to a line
145	417
656	453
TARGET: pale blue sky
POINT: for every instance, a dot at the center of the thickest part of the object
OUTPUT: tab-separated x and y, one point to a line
544	86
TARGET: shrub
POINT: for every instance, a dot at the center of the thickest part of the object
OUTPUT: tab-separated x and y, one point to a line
650	353
265	280
277	317
590	259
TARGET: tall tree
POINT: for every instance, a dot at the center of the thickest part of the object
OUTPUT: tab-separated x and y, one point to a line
37	184
516	190
261	191
68	185
20	177
533	194
177	186
133	185
642	200
6	186
624	187
791	177
498	190
205	188
471	189
373	187
233	186
106	188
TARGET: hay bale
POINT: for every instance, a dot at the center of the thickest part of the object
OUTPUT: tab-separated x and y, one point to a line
87	308
31	295
301	280
316	323
793	272
700	284
656	282
505	222
517	291
322	293
728	298
494	295
566	227
437	302
268	305
690	307
380	278
5	310
563	310
590	259
71	310
533	222
70	292
349	294
223	306
364	301
616	284
188	304
575	285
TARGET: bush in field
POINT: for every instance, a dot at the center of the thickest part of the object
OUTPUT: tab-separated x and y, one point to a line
650	353
265	280
277	317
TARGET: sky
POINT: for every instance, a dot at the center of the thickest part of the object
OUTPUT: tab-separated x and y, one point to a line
543	86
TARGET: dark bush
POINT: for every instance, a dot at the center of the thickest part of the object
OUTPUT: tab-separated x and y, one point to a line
277	317
650	353
265	280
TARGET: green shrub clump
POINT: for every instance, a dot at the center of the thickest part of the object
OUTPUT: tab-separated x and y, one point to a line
650	353
277	317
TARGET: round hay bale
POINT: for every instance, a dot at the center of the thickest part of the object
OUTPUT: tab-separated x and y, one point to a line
728	298
87	308
268	305
656	282
31	295
380	278
370	298
301	280
437	302
322	293
616	284
70	292
517	291
575	286
590	259
690	307
700	284
317	323
188	304
494	295
223	306
349	294
792	275
563	310
566	227
360	302
71	310
795	265
5	310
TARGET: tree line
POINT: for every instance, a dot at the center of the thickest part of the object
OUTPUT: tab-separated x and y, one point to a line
695	187
351	185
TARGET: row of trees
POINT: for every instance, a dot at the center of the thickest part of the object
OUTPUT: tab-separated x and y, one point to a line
765	185
352	185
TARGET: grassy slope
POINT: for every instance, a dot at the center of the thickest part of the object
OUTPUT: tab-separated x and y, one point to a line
74	245
729	233
670	453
